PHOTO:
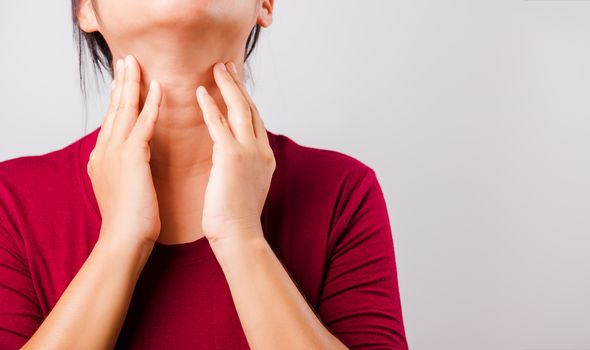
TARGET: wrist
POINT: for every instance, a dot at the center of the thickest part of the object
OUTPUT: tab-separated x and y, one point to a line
123	247
243	241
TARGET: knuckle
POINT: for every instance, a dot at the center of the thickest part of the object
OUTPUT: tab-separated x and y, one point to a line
93	158
243	122
141	122
144	119
128	107
241	109
234	154
268	157
254	155
217	117
93	161
113	108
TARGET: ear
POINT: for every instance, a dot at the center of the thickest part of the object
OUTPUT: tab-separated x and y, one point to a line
87	17
265	13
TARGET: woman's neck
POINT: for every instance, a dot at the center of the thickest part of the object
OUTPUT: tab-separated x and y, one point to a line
181	147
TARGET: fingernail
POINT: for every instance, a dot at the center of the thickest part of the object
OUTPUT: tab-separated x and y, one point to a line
221	66
127	60
152	84
119	64
201	89
233	67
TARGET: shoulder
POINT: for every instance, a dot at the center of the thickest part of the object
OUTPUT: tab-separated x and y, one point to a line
322	185
21	169
28	182
322	165
26	171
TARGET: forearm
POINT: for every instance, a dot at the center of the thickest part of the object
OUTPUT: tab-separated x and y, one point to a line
272	311
91	311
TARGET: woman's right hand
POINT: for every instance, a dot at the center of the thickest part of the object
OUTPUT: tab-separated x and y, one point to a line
119	164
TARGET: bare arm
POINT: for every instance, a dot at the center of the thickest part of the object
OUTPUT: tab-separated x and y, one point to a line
91	311
272	310
360	301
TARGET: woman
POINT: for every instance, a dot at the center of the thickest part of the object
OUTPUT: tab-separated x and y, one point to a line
182	223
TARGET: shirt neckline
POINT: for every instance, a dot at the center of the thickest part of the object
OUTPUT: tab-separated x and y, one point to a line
180	252
187	252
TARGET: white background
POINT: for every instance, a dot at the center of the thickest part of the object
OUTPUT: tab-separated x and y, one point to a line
475	115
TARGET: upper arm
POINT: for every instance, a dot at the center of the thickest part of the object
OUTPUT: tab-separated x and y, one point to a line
360	301
20	314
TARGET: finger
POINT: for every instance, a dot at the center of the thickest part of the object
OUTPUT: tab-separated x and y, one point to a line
107	124
214	119
128	109
144	127
239	114
259	129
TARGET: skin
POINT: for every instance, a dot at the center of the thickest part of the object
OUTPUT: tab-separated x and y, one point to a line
178	43
182	154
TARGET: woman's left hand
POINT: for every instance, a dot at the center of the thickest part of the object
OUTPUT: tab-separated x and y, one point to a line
243	161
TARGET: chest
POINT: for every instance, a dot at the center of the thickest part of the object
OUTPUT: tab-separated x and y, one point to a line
181	211
182	304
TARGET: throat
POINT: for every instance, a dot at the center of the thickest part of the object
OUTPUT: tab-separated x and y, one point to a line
181	209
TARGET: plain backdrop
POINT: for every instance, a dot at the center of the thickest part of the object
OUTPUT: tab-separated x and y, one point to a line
474	114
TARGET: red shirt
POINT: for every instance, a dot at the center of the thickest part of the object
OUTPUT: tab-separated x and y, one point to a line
325	218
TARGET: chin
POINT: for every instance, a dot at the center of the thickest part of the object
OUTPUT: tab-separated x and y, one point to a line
178	21
195	13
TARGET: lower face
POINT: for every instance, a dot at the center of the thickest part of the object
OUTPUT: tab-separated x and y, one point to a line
133	17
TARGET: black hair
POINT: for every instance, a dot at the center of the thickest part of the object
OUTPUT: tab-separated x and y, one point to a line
101	56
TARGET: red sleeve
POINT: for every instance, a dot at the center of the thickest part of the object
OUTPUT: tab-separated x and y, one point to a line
20	314
360	301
